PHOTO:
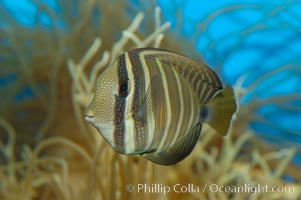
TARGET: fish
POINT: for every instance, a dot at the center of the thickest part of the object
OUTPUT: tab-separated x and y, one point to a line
154	102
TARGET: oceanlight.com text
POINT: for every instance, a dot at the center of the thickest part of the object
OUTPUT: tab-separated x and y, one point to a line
213	188
250	189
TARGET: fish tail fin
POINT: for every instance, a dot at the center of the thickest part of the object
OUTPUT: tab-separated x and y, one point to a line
222	107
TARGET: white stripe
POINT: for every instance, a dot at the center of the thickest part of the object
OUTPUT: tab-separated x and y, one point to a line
209	78
180	92
202	75
189	72
150	125
129	122
207	95
192	110
168	106
193	78
202	92
214	95
155	52
129	135
198	85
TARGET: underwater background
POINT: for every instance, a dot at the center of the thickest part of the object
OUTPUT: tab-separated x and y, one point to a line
53	50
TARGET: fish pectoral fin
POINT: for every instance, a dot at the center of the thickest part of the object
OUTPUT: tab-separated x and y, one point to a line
179	150
152	101
223	107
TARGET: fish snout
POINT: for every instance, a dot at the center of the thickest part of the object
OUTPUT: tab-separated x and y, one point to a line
89	115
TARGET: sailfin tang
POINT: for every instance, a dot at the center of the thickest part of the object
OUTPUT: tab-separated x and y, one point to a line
179	150
222	108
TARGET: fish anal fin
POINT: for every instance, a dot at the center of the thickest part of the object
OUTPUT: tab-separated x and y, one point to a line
179	150
222	109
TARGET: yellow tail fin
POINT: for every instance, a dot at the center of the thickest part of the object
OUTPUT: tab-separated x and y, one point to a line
223	107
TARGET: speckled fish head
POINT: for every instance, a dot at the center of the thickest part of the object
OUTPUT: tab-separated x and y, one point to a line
106	110
102	104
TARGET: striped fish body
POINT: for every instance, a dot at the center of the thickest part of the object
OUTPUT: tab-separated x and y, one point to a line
153	102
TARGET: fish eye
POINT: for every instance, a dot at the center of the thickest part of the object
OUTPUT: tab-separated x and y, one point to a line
122	88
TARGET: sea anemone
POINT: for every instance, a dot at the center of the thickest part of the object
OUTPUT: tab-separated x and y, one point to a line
48	70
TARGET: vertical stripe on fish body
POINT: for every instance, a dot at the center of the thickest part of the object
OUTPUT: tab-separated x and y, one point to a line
153	102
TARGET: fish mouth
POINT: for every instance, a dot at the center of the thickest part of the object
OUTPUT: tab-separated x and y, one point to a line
89	119
94	121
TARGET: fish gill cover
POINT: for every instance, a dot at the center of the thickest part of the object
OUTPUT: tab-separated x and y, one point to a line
52	52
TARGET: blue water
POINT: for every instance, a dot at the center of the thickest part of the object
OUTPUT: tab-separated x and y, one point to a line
250	38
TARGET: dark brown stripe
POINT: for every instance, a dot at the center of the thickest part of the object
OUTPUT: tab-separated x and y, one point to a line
120	108
119	124
139	88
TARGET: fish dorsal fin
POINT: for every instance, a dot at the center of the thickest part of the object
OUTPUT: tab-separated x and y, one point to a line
152	101
179	150
222	109
195	72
